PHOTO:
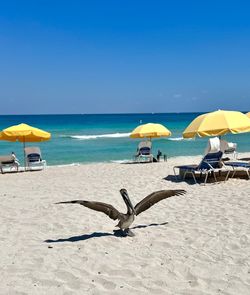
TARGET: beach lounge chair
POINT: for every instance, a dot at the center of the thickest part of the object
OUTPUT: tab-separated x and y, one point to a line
210	164
239	166
144	152
10	162
33	158
229	148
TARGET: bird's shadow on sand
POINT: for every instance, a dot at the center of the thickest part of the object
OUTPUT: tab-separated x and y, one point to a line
116	233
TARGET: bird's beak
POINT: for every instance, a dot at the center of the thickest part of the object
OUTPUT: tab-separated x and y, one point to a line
127	200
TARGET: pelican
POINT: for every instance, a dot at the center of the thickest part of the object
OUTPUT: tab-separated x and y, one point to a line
126	219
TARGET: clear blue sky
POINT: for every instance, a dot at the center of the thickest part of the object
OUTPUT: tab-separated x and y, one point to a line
124	56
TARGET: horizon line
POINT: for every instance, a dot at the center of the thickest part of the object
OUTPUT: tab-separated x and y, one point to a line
87	114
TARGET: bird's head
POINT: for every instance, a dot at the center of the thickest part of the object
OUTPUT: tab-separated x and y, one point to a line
126	199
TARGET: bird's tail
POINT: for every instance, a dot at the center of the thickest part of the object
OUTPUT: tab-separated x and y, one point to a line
70	202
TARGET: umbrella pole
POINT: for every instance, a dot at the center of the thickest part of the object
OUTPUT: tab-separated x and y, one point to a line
24	153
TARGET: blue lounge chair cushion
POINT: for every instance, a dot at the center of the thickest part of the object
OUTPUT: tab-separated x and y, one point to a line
211	160
34	157
145	151
188	167
238	164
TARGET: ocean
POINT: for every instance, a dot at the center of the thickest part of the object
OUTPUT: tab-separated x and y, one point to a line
87	138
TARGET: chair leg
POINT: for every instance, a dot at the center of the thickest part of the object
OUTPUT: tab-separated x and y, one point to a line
186	172
227	176
205	181
247	171
175	174
234	171
194	177
214	176
184	175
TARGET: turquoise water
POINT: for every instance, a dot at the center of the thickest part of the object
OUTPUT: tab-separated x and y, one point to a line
105	138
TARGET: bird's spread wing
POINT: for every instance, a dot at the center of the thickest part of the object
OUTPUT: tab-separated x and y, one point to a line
155	197
97	206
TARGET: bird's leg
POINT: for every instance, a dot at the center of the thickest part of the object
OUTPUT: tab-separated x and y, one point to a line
119	233
128	232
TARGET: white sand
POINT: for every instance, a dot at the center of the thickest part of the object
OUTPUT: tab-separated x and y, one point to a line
203	247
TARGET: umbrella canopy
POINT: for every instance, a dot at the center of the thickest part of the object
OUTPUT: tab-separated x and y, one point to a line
248	114
24	133
150	130
217	123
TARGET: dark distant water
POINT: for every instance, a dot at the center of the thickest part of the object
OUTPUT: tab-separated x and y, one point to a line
105	138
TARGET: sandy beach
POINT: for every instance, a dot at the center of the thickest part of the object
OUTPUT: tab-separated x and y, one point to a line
193	244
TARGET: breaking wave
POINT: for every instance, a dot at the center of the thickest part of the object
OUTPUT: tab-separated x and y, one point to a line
178	138
96	136
121	161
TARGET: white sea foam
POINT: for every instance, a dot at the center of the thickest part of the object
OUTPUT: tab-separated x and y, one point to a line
121	161
178	138
64	165
175	138
113	135
96	136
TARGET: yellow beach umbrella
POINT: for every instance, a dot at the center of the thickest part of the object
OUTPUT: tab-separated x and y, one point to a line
24	133
217	123
248	114
150	130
